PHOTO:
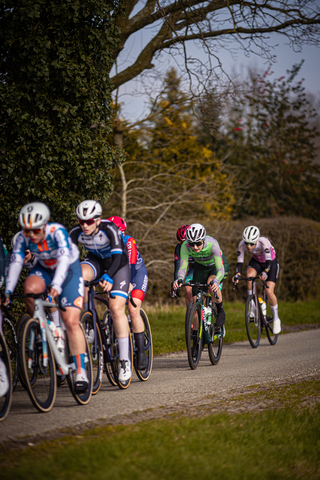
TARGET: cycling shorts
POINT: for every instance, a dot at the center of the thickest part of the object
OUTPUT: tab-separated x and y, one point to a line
140	283
260	267
72	287
121	279
203	272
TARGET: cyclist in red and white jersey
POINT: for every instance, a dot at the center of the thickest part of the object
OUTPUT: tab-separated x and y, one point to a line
138	287
263	263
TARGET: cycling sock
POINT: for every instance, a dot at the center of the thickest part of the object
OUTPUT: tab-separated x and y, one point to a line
275	313
123	348
54	316
249	292
139	340
219	306
221	318
79	361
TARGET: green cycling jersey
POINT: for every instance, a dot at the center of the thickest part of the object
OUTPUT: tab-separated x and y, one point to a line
210	254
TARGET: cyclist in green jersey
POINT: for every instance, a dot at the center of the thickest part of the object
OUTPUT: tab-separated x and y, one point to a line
210	266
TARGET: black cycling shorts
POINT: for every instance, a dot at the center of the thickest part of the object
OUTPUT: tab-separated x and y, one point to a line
260	267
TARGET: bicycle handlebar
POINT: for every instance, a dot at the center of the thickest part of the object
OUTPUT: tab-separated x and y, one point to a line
198	285
251	279
35	296
93	283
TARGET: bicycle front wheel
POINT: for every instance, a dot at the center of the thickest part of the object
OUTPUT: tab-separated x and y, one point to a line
253	323
11	339
193	338
143	375
43	392
215	346
96	356
81	398
5	378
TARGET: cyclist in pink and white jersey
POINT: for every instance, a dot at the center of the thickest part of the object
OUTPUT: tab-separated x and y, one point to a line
263	263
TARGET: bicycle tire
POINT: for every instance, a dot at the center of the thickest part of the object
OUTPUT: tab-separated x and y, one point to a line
253	325
110	367
11	339
81	398
19	326
272	337
97	358
144	374
5	400
43	392
193	340
215	347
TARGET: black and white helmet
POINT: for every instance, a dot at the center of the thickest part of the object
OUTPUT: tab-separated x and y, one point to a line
251	234
34	215
89	209
196	233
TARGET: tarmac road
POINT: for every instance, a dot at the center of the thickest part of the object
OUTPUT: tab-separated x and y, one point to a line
172	383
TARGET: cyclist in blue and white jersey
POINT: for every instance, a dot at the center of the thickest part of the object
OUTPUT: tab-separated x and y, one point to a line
58	266
138	288
107	260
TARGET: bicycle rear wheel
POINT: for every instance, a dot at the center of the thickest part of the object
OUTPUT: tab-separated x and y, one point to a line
97	357
81	398
11	339
253	324
272	337
215	347
143	375
6	399
43	392
193	339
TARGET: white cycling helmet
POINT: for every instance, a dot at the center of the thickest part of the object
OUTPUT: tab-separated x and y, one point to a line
195	233
251	234
34	215
89	209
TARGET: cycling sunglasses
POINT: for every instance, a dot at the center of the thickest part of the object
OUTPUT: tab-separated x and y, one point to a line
195	244
88	222
248	243
35	231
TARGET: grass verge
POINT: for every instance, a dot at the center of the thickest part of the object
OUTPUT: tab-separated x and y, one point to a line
267	433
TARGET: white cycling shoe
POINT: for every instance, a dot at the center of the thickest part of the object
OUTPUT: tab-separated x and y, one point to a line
4	380
124	370
276	326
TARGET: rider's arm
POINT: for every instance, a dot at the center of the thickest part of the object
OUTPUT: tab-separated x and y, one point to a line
117	247
133	255
184	262
176	260
240	257
15	267
215	250
63	258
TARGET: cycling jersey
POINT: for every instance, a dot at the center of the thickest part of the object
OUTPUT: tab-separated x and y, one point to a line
139	274
190	271
263	252
210	254
107	244
56	252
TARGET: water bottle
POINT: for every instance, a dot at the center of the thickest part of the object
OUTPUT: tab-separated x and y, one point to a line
263	306
107	333
208	314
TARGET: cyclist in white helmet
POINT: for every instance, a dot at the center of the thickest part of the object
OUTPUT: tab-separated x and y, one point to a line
57	265
263	263
210	265
108	261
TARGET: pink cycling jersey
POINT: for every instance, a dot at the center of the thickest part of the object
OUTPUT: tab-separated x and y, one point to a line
262	252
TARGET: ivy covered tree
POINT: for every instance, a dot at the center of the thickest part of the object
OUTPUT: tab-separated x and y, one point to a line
55	105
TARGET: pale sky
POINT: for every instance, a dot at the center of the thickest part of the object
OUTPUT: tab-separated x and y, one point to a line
135	107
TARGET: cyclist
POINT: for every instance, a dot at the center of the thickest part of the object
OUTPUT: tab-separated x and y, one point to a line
138	288
210	265
58	266
263	263
107	260
181	236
